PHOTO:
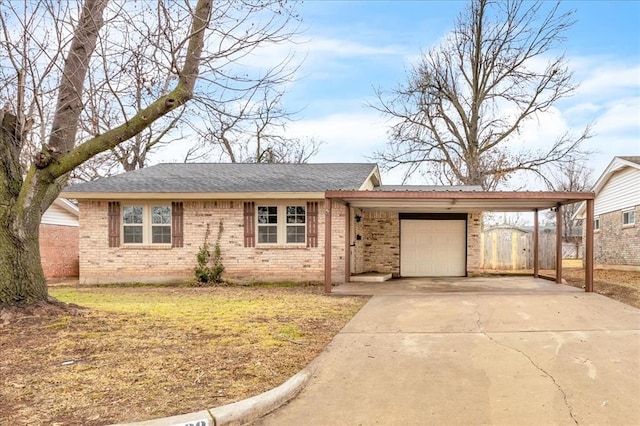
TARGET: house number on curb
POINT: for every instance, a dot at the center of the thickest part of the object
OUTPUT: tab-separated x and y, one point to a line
196	423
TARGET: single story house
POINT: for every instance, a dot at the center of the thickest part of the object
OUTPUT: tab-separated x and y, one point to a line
59	234
616	221
300	222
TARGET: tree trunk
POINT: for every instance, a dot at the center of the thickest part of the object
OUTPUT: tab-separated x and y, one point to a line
24	198
21	276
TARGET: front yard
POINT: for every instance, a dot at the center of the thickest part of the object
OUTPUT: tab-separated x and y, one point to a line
129	354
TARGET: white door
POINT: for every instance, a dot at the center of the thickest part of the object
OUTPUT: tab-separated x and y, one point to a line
432	248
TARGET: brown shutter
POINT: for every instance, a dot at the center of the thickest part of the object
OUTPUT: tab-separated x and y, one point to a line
249	224
176	224
114	223
312	224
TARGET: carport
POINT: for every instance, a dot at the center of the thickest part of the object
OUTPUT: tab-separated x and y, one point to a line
450	204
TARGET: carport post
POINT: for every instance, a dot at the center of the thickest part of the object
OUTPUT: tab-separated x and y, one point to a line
535	244
559	228
327	245
588	248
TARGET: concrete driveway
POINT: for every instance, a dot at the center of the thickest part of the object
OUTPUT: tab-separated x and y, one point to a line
533	352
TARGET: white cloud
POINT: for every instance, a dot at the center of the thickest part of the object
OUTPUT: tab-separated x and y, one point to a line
619	117
601	79
348	49
348	136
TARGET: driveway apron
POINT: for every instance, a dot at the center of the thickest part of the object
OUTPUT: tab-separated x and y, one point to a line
565	357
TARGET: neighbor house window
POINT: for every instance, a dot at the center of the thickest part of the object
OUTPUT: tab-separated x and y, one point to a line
282	224
596	224
146	224
628	218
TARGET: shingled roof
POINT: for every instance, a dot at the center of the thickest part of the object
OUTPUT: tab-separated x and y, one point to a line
228	177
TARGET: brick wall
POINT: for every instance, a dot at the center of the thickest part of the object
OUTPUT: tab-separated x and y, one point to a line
380	244
59	250
615	245
474	243
357	248
100	263
338	223
378	249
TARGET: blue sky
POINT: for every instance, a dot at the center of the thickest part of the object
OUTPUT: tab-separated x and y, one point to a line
352	47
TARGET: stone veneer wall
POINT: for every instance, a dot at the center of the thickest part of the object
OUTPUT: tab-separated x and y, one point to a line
99	263
615	245
59	250
379	248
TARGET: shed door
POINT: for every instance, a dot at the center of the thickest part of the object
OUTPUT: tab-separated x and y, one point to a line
432	248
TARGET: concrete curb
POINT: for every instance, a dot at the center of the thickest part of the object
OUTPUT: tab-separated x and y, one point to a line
239	412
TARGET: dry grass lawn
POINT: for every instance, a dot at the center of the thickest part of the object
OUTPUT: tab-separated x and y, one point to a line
623	286
130	354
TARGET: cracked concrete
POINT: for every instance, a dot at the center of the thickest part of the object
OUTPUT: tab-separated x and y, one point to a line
542	370
554	357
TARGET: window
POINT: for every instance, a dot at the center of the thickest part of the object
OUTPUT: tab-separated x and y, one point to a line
161	225
267	225
596	224
146	224
282	224
296	219
628	218
132	221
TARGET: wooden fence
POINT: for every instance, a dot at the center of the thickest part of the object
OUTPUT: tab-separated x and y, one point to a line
512	249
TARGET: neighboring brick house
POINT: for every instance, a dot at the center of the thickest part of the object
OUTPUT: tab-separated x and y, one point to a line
59	231
297	222
617	215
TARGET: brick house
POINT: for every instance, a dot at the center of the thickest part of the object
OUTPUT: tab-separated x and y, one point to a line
616	215
297	222
59	232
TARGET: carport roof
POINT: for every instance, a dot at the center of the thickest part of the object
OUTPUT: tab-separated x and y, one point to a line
454	201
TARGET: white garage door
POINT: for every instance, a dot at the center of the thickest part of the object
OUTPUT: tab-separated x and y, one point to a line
432	248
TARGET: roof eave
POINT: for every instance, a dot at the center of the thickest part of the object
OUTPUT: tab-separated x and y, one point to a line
193	195
458	200
67	205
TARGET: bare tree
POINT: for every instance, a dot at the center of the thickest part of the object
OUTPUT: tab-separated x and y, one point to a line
68	95
571	176
144	70
252	131
460	113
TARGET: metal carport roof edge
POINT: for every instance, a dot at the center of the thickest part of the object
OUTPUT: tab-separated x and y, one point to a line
516	201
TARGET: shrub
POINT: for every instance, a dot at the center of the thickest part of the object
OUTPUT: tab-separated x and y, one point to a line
210	268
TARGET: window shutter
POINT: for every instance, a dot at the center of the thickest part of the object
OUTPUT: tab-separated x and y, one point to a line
177	233
249	224
312	224
114	223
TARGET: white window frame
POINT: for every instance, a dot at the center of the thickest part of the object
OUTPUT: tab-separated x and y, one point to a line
596	223
281	225
260	225
628	214
147	224
296	224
